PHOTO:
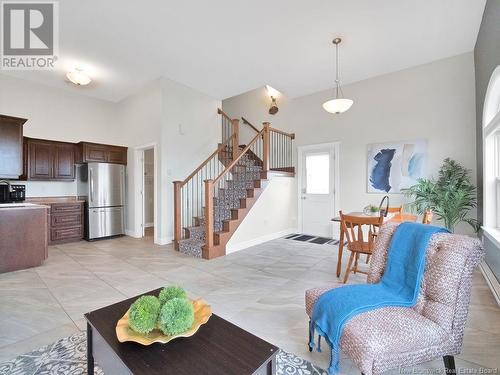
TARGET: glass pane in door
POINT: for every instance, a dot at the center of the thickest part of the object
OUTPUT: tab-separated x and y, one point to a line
318	173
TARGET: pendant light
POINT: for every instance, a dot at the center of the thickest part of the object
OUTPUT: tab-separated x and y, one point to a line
339	104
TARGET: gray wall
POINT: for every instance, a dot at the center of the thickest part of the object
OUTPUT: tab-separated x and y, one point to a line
486	59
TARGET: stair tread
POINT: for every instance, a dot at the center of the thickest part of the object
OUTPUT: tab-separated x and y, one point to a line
192	241
194	227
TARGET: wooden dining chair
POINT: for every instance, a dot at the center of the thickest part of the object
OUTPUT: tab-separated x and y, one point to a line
395	210
354	228
427	219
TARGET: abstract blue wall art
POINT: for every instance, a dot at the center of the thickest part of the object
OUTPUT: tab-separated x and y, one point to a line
395	166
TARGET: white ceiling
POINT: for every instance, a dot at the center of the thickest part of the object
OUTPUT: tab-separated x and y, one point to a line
226	47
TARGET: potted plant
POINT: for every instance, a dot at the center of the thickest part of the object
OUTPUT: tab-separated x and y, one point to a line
450	197
371	210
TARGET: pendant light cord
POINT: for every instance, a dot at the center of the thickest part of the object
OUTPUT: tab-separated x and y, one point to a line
337	79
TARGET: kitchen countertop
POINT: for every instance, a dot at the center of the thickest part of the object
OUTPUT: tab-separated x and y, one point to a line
50	200
21	205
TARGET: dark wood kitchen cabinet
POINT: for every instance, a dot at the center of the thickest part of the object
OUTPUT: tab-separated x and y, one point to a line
64	161
95	152
65	218
49	160
65	222
11	146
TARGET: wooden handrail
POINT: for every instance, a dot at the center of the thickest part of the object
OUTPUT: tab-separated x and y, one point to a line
219	149
291	135
224	114
249	124
235	161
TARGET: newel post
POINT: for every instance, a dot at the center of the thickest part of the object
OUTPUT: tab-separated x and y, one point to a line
177	213
266	145
209	214
235	128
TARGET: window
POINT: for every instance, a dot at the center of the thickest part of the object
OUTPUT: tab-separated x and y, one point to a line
318	173
491	153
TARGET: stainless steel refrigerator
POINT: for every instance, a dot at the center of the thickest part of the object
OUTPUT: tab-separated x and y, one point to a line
102	185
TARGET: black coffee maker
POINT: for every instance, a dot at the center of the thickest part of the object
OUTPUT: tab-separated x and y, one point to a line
11	193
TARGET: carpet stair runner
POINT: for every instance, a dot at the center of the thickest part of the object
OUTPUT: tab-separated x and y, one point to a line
244	179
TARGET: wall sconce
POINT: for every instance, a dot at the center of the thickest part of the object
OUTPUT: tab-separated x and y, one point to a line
273	94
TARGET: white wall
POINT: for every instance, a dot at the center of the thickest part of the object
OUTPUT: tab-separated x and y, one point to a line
139	121
271	217
190	132
59	115
254	107
434	101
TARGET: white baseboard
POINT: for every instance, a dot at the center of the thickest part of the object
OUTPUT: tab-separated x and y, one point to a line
164	241
231	248
491	280
132	233
148	225
160	241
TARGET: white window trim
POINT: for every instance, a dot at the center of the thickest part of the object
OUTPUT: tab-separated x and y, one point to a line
491	162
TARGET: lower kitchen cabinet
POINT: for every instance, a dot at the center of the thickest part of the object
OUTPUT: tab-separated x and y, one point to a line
65	222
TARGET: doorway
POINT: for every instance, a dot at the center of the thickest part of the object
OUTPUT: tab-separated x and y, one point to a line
318	188
148	198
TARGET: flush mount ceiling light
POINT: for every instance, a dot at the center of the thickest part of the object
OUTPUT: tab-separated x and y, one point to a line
273	94
78	77
339	104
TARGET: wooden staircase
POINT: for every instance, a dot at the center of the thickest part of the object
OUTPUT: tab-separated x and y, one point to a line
212	202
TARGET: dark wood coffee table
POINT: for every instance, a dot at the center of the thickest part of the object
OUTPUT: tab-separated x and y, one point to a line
218	348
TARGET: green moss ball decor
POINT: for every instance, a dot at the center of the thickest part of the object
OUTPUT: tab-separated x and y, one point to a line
176	316
170	292
143	314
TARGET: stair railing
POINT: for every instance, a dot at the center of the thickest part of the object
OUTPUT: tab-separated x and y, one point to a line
281	151
189	197
230	128
256	150
280	148
269	150
246	122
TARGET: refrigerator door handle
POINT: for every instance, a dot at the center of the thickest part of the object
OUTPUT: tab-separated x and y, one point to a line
91	178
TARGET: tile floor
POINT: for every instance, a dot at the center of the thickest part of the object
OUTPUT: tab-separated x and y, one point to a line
260	289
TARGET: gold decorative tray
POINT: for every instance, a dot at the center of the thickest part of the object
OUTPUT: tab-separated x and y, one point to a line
202	312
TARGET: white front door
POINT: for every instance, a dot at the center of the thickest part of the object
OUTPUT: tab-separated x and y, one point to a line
317	190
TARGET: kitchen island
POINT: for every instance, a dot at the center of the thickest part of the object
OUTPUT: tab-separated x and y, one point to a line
23	236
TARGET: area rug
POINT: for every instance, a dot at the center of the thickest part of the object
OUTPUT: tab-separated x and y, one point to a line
68	356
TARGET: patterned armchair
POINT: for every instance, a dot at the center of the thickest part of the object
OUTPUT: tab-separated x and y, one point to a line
393	337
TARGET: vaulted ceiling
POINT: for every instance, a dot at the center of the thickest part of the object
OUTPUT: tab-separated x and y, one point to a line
226	47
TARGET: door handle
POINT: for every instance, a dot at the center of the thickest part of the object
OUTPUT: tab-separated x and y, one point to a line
304	198
91	185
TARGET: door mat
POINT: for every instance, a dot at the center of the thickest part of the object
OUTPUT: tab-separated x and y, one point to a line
321	240
313	239
303	237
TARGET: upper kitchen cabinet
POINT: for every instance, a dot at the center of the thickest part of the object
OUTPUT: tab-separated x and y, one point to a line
11	146
49	160
95	152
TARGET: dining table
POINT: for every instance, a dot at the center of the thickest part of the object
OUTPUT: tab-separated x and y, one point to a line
396	218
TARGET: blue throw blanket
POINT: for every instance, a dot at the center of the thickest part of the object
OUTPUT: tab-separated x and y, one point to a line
399	286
